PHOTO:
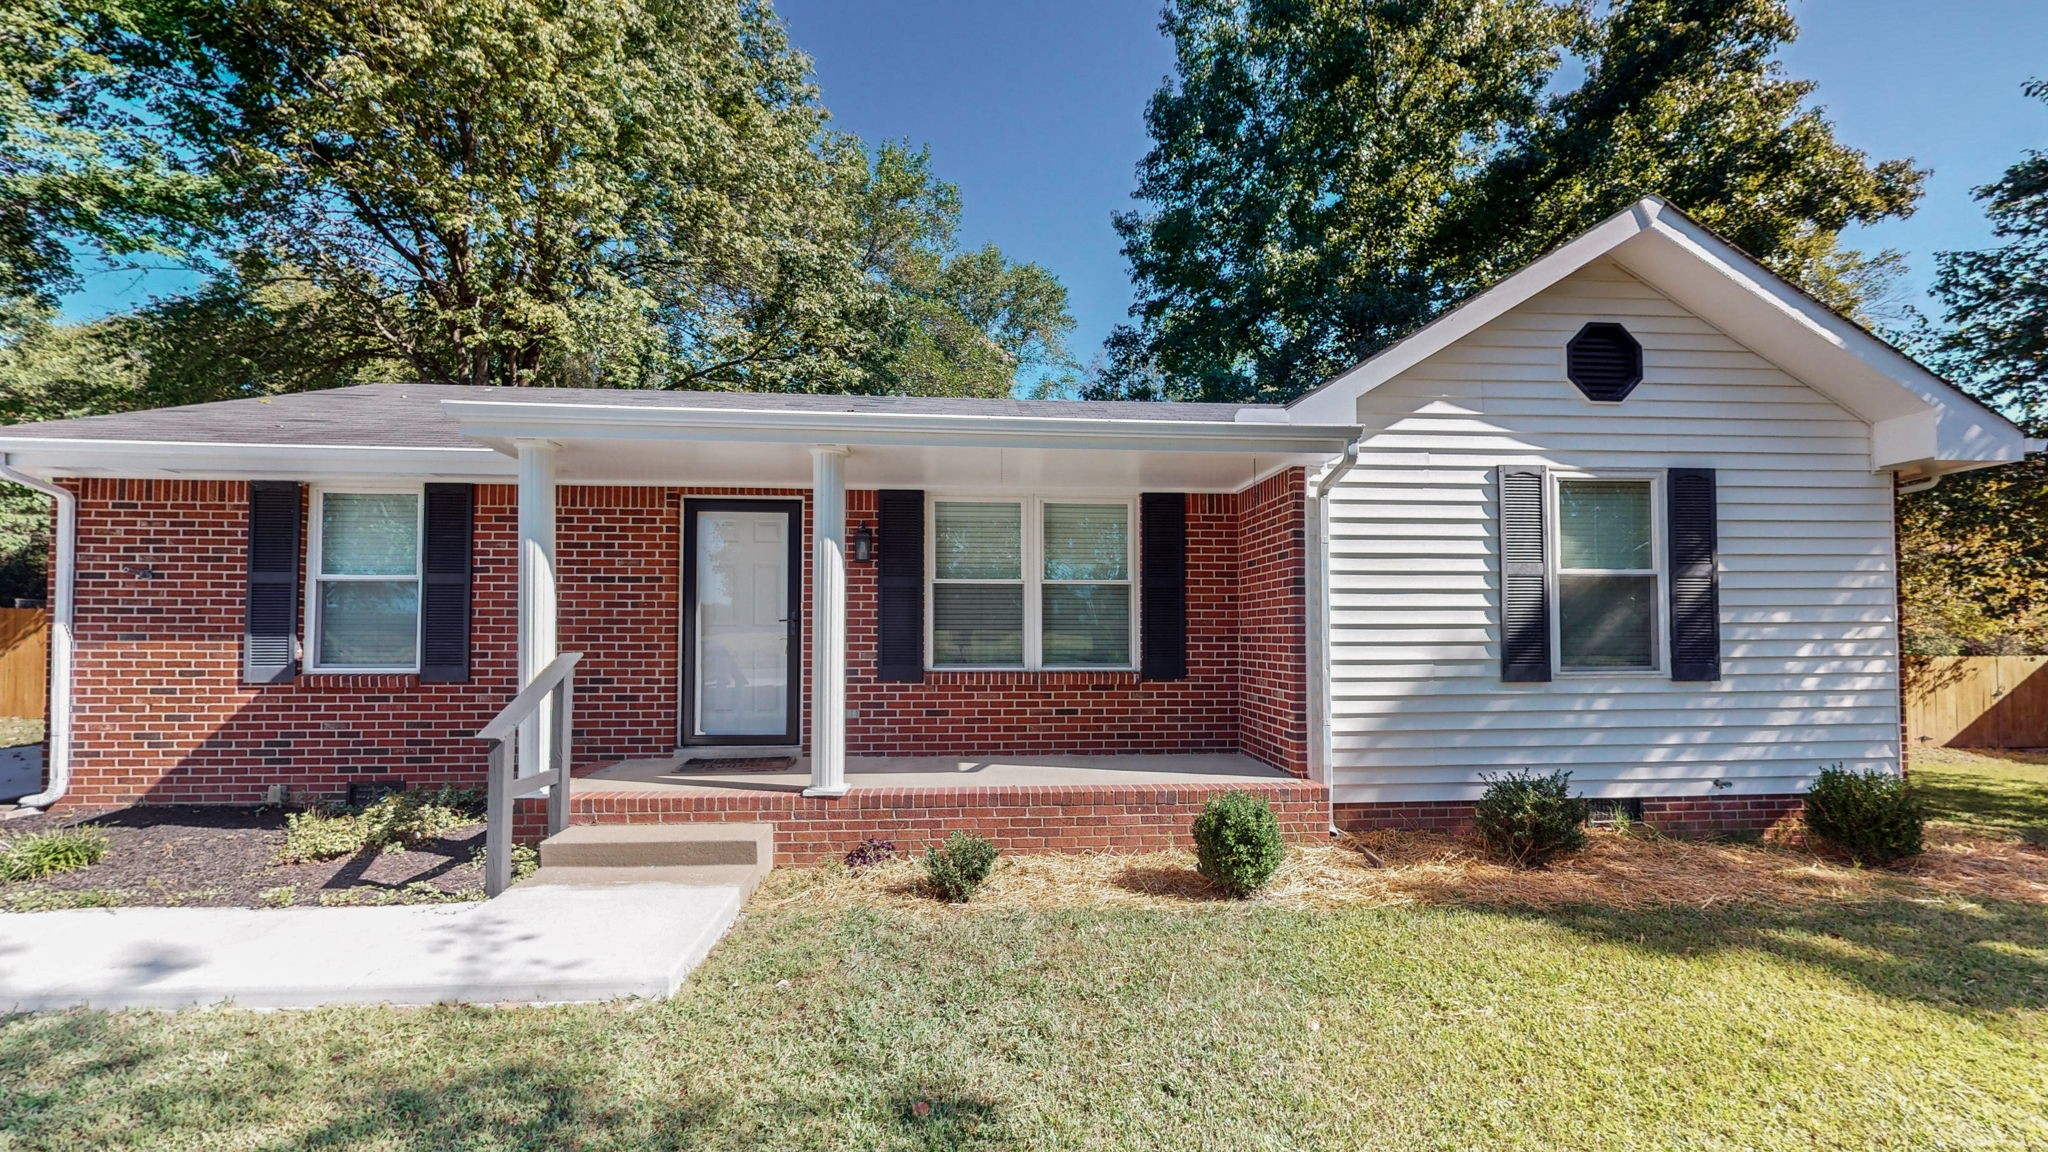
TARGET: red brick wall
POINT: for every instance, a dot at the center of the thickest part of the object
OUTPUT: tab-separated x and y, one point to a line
1050	713
1272	634
162	715
619	594
1674	815
1121	817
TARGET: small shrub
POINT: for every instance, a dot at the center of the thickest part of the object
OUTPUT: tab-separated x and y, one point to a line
1529	818
1874	817
393	822
1237	842
48	853
869	853
959	866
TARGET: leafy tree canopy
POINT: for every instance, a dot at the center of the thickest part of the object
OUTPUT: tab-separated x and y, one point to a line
616	192
1974	550
1327	175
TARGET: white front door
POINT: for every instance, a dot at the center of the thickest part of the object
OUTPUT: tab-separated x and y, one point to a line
740	634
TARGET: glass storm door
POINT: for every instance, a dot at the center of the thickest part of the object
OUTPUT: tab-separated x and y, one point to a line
739	621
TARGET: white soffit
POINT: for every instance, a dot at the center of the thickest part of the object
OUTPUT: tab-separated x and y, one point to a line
1918	420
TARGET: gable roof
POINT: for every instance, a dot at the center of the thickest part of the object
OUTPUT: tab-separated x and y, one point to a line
1921	425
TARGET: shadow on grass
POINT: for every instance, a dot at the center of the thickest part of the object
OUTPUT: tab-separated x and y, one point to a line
1977	957
66	1065
2018	805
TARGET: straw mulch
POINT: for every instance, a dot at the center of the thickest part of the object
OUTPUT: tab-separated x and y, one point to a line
1620	871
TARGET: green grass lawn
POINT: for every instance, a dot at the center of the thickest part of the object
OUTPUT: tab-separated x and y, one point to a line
1986	791
838	1016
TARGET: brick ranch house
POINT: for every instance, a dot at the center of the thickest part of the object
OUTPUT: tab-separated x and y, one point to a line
1629	512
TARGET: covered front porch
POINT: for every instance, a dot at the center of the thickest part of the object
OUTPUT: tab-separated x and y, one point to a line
1137	803
811	636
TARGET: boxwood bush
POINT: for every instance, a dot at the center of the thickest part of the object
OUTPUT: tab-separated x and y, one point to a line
1529	818
959	866
1874	817
1237	842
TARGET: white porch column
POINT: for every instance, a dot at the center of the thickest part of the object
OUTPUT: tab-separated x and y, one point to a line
828	622
537	643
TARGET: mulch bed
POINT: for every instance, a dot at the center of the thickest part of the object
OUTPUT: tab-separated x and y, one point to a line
207	856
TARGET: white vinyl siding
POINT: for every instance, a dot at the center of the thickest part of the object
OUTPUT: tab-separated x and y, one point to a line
1808	612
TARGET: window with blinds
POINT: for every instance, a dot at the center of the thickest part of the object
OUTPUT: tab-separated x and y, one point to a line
1031	584
1607	575
366	581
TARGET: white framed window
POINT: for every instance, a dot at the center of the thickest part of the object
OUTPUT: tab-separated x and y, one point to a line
1040	584
1607	578
363	597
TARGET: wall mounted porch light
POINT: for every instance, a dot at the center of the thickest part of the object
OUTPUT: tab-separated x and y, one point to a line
864	544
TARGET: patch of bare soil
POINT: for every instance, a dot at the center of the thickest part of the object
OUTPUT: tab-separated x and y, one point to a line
208	856
1383	869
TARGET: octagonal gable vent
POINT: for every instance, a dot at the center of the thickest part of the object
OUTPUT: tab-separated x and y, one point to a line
1604	361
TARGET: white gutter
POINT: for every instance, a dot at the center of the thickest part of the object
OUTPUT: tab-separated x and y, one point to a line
199	459
1320	701
63	572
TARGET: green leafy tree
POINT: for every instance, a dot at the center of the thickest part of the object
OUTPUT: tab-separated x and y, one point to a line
1327	176
517	191
75	166
1974	550
948	321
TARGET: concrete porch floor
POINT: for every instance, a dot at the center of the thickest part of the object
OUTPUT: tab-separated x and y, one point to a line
869	772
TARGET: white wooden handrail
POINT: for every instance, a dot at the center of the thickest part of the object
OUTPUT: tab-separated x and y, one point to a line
528	701
556	684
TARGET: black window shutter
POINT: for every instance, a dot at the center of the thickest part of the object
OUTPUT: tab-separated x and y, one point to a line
1524	581
1695	583
271	610
1163	594
899	562
444	595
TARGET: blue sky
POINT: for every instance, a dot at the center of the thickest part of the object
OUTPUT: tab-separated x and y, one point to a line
1036	111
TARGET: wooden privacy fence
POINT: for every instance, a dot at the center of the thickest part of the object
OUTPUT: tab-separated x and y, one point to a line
24	661
1977	701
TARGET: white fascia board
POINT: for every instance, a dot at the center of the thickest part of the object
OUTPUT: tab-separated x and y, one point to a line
1757	308
47	457
496	421
1826	350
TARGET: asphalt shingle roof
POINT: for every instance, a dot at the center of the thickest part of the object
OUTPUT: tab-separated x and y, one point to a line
410	415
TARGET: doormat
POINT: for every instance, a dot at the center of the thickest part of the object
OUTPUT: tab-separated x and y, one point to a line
759	764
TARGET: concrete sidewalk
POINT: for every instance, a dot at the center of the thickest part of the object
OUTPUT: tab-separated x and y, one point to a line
538	943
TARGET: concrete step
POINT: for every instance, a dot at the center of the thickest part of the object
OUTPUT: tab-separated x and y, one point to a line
745	877
660	846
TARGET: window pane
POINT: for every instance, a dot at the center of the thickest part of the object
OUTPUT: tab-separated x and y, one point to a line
1607	621
369	533
1604	524
369	623
978	541
1087	624
977	624
1087	541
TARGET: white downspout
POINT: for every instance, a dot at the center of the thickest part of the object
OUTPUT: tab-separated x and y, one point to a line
1320	698
63	570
